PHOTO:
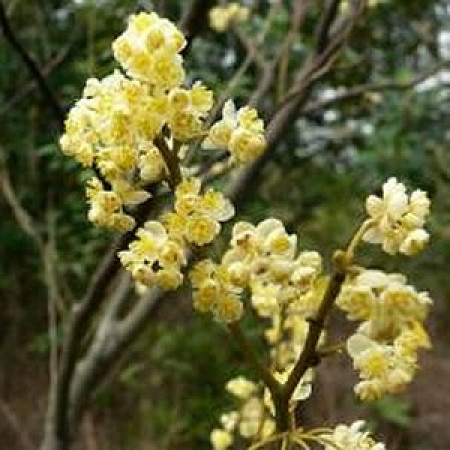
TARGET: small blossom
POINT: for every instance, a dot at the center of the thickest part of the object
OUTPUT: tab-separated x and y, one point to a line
197	216
385	347
153	258
351	438
149	50
398	219
222	17
241	387
221	439
240	132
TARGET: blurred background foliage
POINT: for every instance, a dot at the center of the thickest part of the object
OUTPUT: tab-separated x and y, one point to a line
168	391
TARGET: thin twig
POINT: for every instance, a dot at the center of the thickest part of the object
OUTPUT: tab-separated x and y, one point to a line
323	29
172	162
47	69
247	349
269	73
194	19
36	73
252	55
357	91
16	425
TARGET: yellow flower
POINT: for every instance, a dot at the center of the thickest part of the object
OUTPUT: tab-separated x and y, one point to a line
200	213
187	111
240	132
154	258
152	167
214	292
397	219
241	387
350	438
201	229
148	51
221	439
222	17
106	207
252	417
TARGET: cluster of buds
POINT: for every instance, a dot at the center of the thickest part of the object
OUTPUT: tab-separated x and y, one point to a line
397	219
239	132
133	127
384	348
252	419
262	260
351	437
222	17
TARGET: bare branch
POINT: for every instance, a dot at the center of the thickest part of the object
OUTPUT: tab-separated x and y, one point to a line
16	425
253	50
36	73
323	29
359	90
92	366
194	19
23	218
269	74
316	325
47	69
289	108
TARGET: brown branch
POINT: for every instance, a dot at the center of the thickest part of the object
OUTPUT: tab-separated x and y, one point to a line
172	162
289	108
308	356
47	69
36	73
82	312
323	29
247	349
253	50
16	425
299	13
194	19
320	64
357	91
270	71
23	218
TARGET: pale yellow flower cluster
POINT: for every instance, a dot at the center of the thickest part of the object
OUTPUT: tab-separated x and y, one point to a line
253	419
351	437
197	216
159	253
154	258
222	17
240	132
262	259
114	125
384	348
117	127
398	219
214	292
149	51
132	129
284	287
